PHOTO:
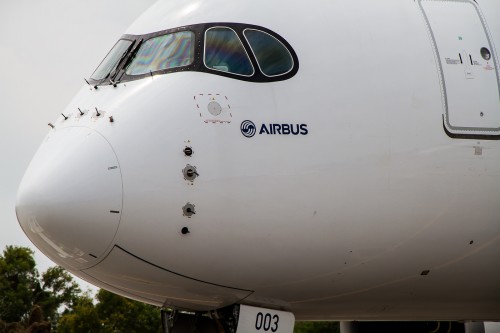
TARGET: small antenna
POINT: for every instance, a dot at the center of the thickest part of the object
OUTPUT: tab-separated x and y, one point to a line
87	82
97	112
52	126
81	113
65	118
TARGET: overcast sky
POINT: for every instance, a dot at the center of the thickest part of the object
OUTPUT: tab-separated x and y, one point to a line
47	48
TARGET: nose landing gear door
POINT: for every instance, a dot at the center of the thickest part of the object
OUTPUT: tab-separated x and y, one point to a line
468	68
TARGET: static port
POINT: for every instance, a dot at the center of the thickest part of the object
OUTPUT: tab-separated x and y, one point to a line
190	172
188	151
188	210
485	53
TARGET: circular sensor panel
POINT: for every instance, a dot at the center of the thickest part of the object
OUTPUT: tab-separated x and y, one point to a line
214	108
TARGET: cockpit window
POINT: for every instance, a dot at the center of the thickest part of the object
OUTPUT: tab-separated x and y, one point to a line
112	59
163	52
272	56
225	52
238	51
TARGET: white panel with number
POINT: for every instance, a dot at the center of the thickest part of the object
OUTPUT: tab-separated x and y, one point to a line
254	319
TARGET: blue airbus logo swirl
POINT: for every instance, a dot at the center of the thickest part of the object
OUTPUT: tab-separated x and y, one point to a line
248	128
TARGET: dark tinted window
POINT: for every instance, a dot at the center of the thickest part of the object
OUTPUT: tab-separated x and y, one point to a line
225	52
272	56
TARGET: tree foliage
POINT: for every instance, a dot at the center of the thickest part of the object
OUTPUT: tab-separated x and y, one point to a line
125	315
112	313
56	288
26	298
316	327
82	318
18	281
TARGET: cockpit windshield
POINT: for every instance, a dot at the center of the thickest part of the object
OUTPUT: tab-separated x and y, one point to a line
111	61
235	50
225	52
272	56
163	52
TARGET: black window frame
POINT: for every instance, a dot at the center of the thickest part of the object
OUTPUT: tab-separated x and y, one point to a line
198	64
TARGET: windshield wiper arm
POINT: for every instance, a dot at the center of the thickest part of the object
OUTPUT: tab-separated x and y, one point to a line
116	68
112	72
124	62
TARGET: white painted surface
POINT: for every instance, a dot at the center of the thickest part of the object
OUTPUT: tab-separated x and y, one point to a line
335	224
492	327
471	83
258	320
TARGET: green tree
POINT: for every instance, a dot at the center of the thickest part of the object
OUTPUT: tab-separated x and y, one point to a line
56	288
36	322
111	314
22	290
18	281
316	327
120	314
83	318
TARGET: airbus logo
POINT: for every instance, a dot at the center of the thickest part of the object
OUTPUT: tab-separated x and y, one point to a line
249	129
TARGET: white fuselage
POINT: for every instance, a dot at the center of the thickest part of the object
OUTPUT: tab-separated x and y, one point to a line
374	213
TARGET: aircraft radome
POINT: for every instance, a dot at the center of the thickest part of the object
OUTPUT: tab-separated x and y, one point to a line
260	162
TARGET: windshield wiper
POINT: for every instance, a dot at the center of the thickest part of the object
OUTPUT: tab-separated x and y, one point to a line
113	70
123	63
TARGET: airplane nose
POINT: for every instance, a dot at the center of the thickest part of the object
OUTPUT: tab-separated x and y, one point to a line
69	202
